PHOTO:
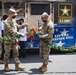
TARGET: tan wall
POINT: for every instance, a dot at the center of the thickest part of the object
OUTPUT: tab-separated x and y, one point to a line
33	19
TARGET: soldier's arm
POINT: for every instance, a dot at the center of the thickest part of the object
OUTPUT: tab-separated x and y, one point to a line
21	26
49	33
11	31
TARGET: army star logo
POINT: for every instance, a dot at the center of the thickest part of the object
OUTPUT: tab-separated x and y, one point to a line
65	11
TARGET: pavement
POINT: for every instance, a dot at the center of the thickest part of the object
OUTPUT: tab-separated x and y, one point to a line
59	64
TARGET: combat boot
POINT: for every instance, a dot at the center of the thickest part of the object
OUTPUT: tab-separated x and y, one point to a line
40	67
44	68
6	68
17	67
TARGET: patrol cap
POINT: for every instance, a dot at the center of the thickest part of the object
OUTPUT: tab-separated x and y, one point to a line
13	10
44	15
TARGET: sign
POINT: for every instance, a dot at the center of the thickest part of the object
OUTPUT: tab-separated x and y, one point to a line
64	13
32	42
64	36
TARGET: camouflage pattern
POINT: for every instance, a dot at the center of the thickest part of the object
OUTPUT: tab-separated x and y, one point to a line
10	29
46	32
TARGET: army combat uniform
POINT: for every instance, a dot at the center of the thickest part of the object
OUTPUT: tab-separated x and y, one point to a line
46	32
10	29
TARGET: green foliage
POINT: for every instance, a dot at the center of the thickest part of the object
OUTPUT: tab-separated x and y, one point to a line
59	48
54	46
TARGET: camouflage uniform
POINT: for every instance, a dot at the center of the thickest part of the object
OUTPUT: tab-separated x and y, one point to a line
10	29
46	32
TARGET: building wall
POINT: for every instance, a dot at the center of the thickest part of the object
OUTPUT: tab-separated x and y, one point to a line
33	19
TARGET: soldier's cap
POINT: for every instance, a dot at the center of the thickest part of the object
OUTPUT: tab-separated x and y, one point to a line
44	15
13	10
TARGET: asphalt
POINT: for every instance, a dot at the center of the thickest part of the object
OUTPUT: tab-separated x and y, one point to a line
59	64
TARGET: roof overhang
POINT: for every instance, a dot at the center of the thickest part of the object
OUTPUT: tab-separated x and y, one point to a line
33	0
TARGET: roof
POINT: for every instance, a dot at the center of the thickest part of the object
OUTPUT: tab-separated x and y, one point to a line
31	0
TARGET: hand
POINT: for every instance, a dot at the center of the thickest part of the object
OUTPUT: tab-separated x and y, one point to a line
26	24
30	35
23	35
40	36
39	29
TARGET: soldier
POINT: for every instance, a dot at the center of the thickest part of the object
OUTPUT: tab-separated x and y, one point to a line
10	29
46	33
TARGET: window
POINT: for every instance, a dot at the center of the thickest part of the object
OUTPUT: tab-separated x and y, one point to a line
38	9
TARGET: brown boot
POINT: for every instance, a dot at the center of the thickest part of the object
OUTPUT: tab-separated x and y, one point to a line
40	67
6	68
44	68
17	67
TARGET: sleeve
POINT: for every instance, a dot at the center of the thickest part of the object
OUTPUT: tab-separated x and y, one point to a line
2	26
25	30
50	31
10	30
20	27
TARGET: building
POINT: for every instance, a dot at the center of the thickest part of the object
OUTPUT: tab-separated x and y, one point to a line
30	10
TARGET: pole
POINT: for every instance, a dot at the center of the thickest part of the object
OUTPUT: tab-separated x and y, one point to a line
25	10
2	7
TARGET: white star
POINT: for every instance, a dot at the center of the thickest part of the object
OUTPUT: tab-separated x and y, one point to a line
56	30
64	32
65	11
30	43
60	44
